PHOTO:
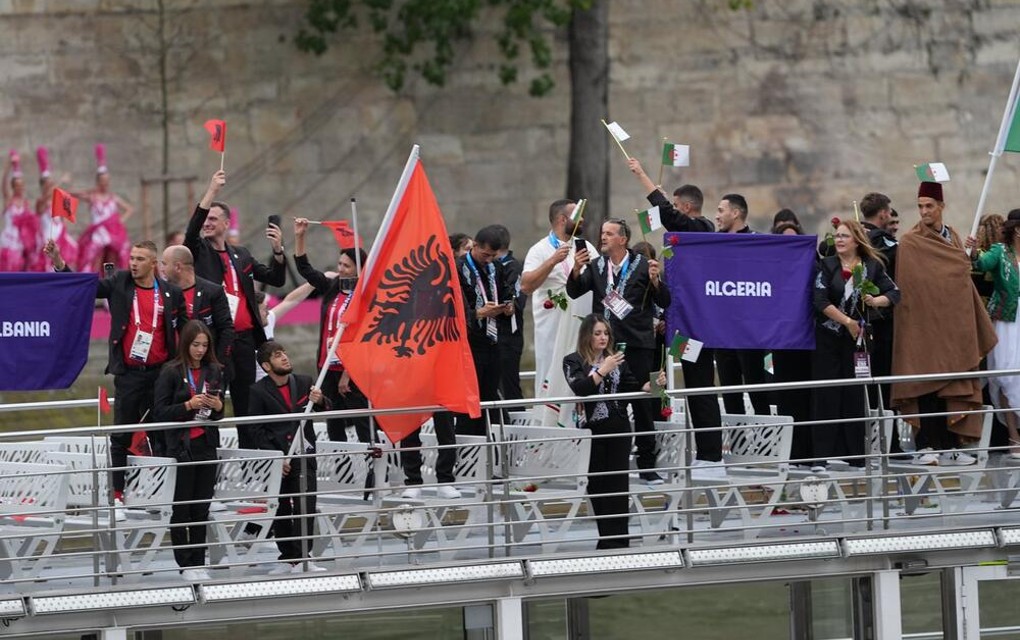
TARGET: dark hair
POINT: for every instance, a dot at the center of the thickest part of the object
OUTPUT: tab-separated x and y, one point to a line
489	236
260	297
645	248
146	244
873	203
351	255
221	205
266	350
1009	229
504	237
585	333
622	224
784	215
557	208
691	194
191	330
783	226
457	240
893	213
738	202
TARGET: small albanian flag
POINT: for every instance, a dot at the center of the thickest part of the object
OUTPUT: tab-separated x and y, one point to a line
217	134
343	233
64	205
104	400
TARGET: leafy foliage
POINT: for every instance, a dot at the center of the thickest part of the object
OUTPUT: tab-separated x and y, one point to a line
420	36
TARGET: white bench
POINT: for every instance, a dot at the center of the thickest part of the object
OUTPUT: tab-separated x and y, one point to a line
81	444
344	519
248	485
33	502
33	452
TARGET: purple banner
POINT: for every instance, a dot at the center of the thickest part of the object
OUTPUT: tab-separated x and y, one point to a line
44	328
741	291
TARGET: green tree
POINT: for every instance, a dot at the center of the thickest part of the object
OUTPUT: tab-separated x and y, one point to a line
421	36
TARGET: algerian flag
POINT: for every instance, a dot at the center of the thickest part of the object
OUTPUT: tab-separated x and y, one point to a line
932	172
578	211
686	348
617	131
649	220
769	368
1013	136
676	155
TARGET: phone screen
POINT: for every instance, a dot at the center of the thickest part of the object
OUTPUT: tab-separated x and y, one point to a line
580	244
108	269
621	347
274	219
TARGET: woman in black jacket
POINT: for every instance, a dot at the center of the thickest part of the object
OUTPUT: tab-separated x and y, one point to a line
190	388
597	368
842	309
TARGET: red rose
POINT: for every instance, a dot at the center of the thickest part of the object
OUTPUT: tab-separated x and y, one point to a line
531	487
674	241
666	412
548	304
835	221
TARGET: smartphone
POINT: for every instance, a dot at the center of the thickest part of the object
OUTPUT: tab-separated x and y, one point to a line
580	244
108	269
621	347
348	284
275	219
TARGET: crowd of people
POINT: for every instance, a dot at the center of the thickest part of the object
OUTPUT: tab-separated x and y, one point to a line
187	324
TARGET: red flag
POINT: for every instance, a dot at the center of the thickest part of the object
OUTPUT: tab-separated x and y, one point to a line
343	233
64	205
217	134
104	400
405	344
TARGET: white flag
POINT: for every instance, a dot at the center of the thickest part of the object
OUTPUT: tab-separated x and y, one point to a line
617	131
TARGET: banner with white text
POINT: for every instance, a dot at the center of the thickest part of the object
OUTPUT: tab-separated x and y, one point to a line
741	291
44	328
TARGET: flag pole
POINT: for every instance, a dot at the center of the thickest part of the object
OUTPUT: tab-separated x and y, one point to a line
1000	143
618	143
857	212
580	216
223	155
662	165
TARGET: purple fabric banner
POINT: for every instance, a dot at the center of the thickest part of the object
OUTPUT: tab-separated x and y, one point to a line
741	291
44	328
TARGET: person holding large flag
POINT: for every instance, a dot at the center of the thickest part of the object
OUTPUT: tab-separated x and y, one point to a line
234	267
146	312
626	286
547	267
940	326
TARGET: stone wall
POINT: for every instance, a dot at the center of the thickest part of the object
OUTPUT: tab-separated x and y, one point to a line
806	104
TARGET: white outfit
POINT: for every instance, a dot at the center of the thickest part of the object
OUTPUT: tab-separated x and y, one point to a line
1005	355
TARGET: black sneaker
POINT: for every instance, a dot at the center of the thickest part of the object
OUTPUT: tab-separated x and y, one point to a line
650	477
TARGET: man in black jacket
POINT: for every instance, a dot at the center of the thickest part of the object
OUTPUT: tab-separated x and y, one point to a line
236	270
626	287
684	214
146	313
876	210
205	301
282	391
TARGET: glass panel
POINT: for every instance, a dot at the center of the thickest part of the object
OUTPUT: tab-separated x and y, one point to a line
547	619
921	603
997	599
832	609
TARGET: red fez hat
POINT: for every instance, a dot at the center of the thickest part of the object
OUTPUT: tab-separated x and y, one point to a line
931	190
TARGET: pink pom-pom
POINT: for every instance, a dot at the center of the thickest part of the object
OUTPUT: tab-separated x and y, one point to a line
15	163
100	157
42	156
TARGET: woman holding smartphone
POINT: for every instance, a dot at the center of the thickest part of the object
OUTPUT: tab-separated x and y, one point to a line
596	368
190	388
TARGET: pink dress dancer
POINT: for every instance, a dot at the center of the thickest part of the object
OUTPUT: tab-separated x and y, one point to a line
106	239
51	228
20	228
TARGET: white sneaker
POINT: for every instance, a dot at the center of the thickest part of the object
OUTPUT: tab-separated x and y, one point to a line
447	492
119	511
217	506
411	493
281	568
925	458
195	575
956	459
312	568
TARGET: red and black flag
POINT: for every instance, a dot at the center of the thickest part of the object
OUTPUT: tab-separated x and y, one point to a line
64	205
405	344
343	233
217	134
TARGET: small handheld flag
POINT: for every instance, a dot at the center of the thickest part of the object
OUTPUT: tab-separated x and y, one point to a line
217	134
685	348
104	400
618	134
676	155
64	205
649	220
932	172
343	233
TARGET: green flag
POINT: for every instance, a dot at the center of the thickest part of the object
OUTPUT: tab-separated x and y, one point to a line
1013	137
649	220
676	346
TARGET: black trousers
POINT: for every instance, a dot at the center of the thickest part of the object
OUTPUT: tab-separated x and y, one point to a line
795	366
296	511
641	363
610	454
881	360
934	432
133	391
487	370
242	368
353	399
510	351
193	483
742	366
704	408
834	358
411	460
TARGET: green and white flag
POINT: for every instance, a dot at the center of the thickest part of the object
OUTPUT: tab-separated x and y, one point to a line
1012	142
932	172
676	155
578	211
686	348
649	220
617	131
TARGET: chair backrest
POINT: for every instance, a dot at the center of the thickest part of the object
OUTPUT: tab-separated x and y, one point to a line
669	442
520	418
150	481
547	452
29	489
80	444
31	452
759	441
80	481
886	421
228	438
986	436
247	474
472	456
342	467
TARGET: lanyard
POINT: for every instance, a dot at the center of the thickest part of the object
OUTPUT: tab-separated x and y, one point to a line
233	274
191	382
554	241
478	277
624	268
334	316
155	305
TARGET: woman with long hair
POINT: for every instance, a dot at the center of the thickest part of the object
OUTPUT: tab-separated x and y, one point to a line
598	368
842	304
190	388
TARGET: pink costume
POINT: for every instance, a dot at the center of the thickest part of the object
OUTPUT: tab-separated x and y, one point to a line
18	237
107	234
50	227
